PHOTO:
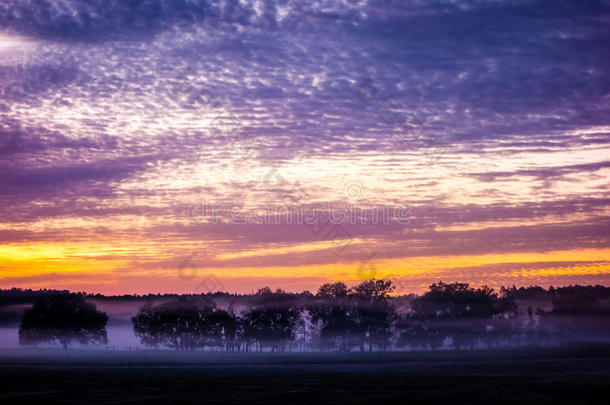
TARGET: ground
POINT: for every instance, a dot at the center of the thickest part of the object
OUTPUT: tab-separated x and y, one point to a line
578	375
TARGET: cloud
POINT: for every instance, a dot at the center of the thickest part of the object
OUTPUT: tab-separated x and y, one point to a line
543	173
489	119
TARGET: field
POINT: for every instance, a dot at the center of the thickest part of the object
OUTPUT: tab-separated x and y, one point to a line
572	375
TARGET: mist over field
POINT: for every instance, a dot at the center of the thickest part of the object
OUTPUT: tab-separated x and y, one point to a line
538	318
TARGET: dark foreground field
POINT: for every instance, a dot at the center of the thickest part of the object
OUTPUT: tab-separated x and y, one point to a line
575	375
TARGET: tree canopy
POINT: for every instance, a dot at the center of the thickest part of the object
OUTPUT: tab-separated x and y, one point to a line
64	318
185	324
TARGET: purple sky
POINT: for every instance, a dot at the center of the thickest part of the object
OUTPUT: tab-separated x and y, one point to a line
485	123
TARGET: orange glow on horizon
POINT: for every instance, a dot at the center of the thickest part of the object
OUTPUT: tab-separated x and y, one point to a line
85	267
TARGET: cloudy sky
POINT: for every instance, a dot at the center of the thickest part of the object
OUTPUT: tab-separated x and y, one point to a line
170	145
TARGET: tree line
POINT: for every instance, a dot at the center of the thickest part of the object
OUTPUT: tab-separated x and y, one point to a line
364	317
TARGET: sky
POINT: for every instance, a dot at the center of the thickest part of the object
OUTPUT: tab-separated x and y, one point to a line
196	145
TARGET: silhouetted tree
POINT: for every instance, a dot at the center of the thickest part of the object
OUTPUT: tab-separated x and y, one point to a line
337	317
331	311
185	324
333	290
459	300
576	301
228	329
271	320
373	290
65	318
461	312
578	315
372	312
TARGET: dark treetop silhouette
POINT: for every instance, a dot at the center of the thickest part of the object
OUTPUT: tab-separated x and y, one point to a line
337	317
185	324
271	320
65	318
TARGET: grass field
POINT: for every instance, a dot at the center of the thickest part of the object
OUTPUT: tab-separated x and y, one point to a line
573	375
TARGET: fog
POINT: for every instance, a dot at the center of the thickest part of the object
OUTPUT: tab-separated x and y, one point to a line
338	318
120	337
119	328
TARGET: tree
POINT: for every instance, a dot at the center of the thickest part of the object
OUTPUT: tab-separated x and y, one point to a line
460	300
63	318
331	311
463	313
576	301
185	324
227	330
374	290
272	319
417	333
373	313
333	290
374	321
